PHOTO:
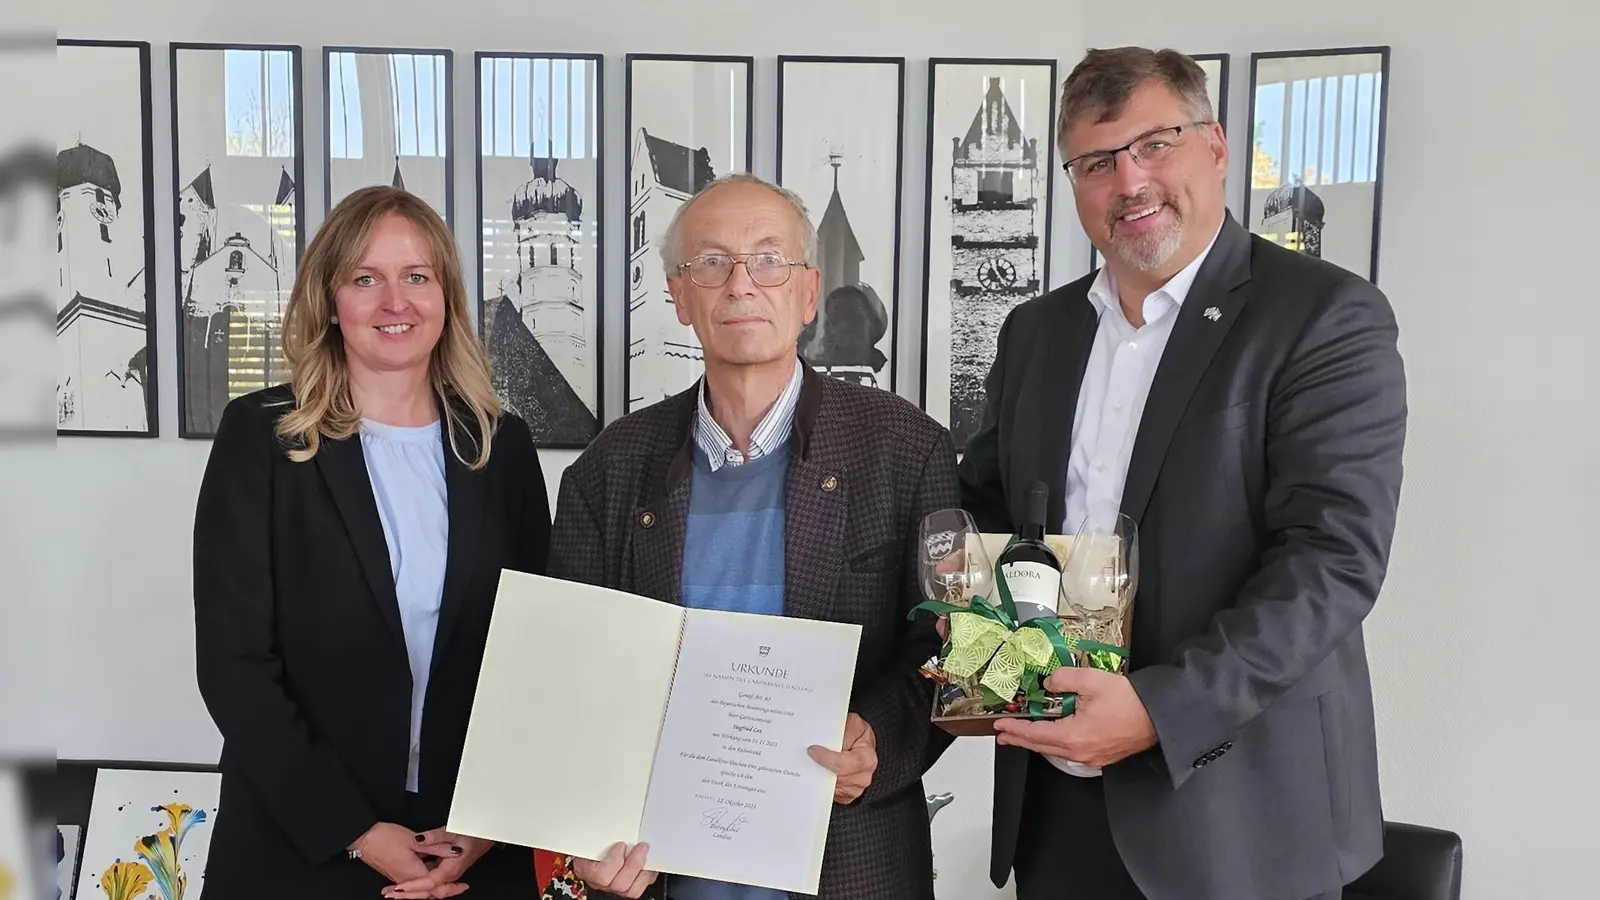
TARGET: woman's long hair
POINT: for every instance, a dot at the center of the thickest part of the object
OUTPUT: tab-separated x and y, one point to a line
458	371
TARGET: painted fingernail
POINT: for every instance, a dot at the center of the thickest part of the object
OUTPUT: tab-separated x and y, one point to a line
420	838
454	849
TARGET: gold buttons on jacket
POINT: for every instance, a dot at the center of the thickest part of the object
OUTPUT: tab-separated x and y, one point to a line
648	519
829	483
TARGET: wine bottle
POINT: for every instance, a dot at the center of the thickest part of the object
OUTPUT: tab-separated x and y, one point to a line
1031	569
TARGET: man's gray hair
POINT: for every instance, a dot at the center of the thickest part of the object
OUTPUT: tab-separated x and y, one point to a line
1101	84
671	241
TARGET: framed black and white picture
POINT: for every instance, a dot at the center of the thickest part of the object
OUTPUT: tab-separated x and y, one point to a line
105	241
688	122
237	166
540	147
389	120
1215	66
990	157
840	150
1317	126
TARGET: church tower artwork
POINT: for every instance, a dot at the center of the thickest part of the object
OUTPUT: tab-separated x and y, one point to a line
997	183
547	219
537	327
235	272
99	180
842	341
101	337
664	356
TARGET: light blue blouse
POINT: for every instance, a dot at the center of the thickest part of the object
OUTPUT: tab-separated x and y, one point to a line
406	466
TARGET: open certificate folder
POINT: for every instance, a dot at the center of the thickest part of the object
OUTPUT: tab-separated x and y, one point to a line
602	716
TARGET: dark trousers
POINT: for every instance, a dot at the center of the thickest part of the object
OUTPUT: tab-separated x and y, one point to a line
1064	849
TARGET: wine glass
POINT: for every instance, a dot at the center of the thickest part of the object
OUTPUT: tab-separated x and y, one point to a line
1101	576
952	559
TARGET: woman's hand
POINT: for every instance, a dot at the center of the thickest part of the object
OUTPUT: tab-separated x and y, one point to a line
625	876
456	853
392	851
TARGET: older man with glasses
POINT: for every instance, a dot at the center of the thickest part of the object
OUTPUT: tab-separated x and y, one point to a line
768	488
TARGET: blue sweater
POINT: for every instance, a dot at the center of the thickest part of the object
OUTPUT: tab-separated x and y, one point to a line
733	560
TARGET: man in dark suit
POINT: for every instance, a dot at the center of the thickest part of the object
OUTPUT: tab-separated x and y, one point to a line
768	488
1245	406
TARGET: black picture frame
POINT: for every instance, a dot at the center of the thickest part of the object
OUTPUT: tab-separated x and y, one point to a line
152	404
1220	108
639	249
1299	206
1223	62
187	428
448	62
68	792
819	210
575	432
961	416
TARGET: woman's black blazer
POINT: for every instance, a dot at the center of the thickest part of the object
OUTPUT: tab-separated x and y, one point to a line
302	662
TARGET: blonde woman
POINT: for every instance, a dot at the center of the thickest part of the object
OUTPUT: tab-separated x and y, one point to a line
349	534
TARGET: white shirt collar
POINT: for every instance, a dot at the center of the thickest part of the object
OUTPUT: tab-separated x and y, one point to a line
1104	289
774	429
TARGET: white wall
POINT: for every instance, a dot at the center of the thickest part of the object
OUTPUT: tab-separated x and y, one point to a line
1488	173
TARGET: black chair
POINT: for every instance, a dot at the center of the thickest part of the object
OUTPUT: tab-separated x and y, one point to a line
1419	863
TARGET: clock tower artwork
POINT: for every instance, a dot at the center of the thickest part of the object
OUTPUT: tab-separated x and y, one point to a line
997	184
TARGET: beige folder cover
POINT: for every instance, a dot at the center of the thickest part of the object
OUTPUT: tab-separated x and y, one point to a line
561	742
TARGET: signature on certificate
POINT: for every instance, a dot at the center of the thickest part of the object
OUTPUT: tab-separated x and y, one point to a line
723	822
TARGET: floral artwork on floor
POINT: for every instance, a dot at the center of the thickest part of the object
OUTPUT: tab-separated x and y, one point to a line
148	835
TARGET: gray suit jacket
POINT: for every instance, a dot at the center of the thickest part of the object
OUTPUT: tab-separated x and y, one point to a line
867	467
1264	481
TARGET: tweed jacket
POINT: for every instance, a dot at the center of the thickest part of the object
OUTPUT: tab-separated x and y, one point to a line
866	467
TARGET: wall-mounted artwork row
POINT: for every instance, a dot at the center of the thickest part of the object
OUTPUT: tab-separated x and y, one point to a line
388	119
105	242
148	835
1215	66
687	122
1317	125
990	160
840	150
540	144
237	169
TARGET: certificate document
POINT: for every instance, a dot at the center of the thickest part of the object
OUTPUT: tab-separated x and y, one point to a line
603	716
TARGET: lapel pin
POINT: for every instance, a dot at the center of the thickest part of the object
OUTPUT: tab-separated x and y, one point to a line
1213	313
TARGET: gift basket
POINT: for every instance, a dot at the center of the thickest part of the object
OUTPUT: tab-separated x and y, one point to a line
995	658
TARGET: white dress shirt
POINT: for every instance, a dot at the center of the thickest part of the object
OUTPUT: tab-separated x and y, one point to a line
1116	383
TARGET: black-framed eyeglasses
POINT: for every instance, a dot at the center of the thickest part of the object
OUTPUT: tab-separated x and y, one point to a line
1147	150
767	269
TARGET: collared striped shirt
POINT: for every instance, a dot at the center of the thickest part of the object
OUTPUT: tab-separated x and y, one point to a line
774	429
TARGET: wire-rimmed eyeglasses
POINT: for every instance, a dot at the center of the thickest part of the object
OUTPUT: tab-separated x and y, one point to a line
767	269
1147	150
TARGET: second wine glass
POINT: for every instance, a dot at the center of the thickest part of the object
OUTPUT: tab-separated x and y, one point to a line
954	565
1101	577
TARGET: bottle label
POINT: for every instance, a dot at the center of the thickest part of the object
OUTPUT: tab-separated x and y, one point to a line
1033	583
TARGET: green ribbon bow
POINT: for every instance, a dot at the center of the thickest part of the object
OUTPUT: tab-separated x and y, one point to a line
976	640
